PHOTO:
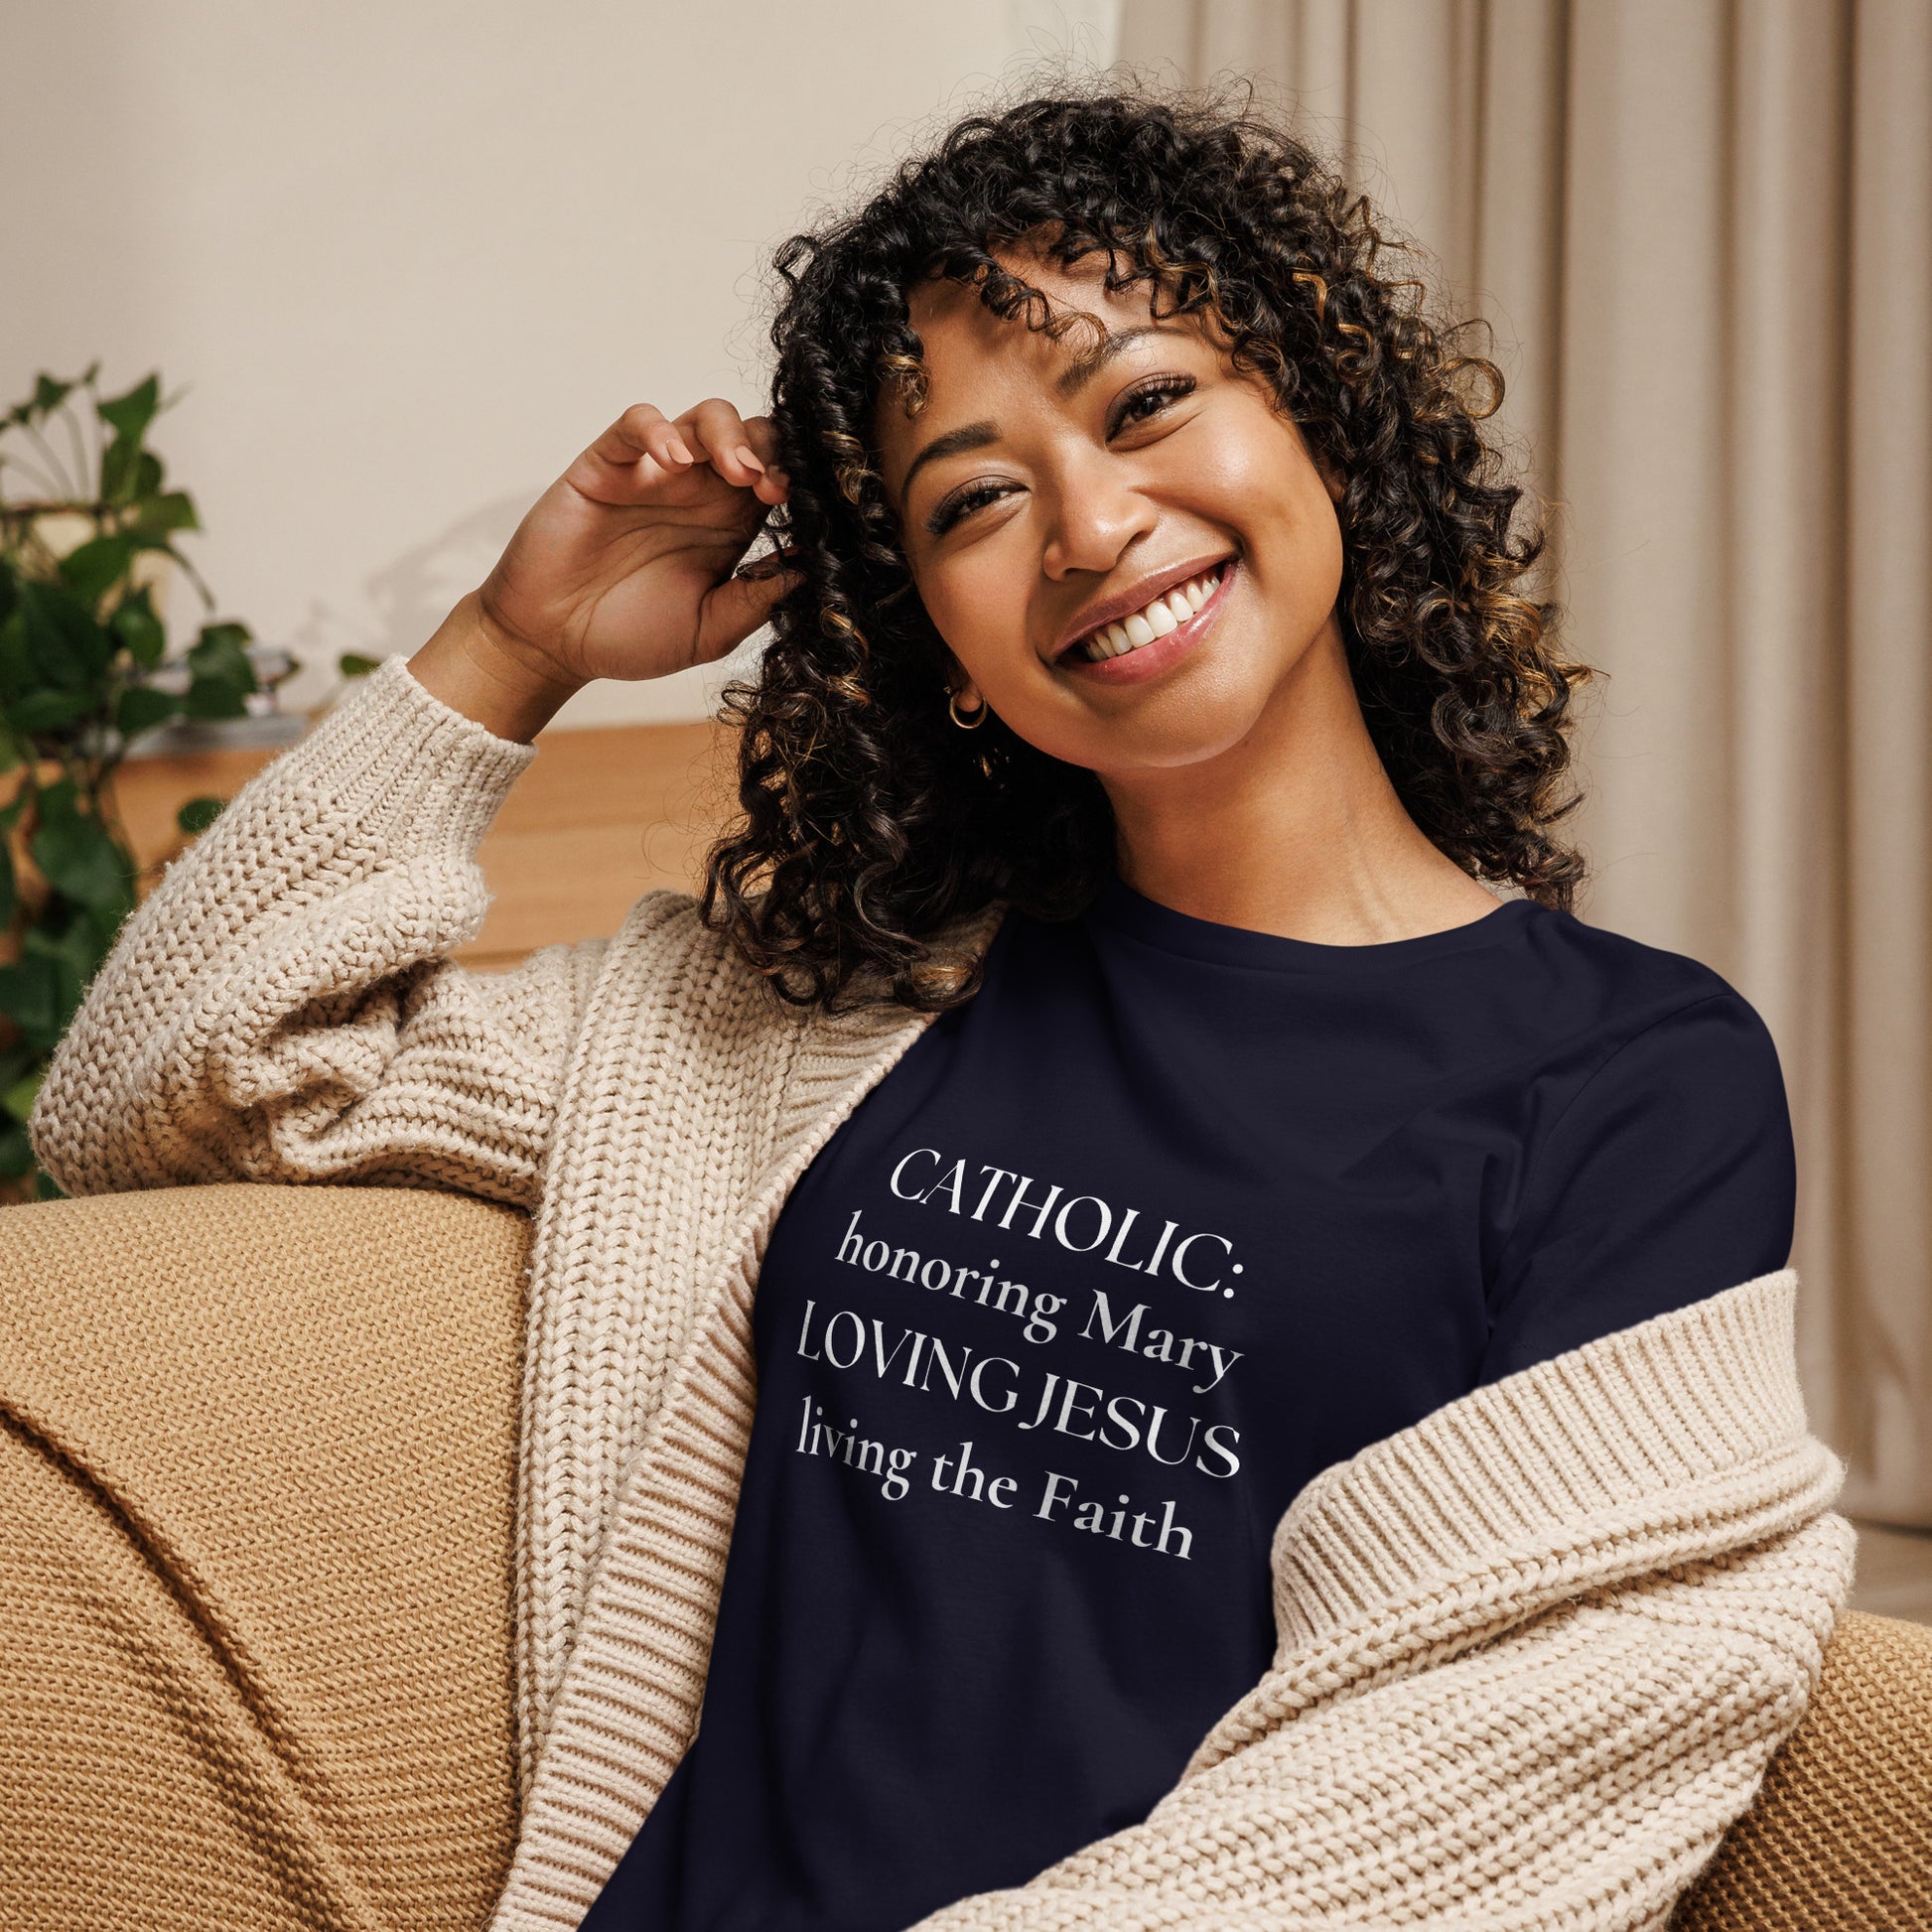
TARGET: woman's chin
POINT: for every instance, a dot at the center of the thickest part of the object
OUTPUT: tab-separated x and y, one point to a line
1164	738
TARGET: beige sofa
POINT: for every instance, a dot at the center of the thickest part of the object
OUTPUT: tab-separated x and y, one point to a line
256	1499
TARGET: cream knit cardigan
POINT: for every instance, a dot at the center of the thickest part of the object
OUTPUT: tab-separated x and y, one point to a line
1534	1652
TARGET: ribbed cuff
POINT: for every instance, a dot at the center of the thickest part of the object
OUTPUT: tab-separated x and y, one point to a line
405	765
1622	1420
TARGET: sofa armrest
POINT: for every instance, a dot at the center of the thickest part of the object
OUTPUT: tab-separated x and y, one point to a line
1840	1836
257	1483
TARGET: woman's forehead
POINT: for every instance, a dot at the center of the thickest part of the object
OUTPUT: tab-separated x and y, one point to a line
969	354
948	313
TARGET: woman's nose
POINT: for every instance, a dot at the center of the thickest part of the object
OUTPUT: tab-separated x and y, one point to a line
1094	513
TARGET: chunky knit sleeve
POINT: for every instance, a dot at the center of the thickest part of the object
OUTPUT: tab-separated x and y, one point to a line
282	1007
1535	1655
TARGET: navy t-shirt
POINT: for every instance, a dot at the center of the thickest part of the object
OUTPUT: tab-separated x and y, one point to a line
1168	1218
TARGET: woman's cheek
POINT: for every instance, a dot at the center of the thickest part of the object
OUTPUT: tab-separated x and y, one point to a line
1287	523
1264	476
982	622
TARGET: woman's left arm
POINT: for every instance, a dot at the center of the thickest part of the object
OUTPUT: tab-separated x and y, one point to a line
1536	1654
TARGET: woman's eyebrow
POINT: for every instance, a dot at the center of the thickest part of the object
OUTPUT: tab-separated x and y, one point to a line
955	442
1081	372
1085	368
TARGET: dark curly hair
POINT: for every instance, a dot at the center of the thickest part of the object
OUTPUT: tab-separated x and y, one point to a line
869	822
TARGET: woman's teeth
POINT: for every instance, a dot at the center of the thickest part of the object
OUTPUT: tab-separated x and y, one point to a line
1169	612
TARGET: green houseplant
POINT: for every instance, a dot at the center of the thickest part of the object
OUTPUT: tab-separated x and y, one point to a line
87	537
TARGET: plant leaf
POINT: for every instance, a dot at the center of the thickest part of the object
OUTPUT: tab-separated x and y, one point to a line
74	946
222	650
8	891
48	395
198	814
46	711
68	647
129	415
223	677
29	996
71	956
17	671
173	510
16	1061
79	857
94	933
136	625
141	707
120	470
351	664
91	570
16	1154
18	1099
214	697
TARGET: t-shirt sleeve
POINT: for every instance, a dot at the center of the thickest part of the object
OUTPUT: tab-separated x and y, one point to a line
1668	1178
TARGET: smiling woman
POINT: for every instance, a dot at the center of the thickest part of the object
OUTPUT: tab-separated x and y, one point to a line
1074	360
1146	1349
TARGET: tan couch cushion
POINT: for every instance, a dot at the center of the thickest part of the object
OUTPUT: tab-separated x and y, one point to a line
256	1447
1839	1838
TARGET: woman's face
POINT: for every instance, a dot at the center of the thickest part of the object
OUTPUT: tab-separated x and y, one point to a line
1059	500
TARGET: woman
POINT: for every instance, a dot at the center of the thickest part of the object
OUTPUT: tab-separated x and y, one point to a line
1101	1049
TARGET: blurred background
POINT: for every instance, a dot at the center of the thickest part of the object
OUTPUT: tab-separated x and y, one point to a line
395	265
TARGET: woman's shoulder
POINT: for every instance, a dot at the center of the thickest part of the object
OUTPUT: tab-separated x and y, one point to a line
1659	1163
669	954
1660	1075
668	948
1619	990
667	929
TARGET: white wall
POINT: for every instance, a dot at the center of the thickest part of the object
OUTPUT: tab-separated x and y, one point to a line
406	259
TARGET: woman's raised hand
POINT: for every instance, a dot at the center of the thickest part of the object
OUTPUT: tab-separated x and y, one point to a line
623	568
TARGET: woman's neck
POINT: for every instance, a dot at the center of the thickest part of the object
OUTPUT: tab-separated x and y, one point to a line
1295	830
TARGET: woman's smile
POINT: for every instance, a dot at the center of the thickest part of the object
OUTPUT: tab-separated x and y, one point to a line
1148	640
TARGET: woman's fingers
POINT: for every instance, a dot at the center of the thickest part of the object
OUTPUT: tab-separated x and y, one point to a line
645	446
637	451
642	430
720	436
763	435
736	608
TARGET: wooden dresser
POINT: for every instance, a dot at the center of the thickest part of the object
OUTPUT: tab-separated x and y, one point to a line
602	816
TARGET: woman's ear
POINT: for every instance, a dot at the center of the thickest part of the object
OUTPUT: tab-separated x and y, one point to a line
964	696
1334	480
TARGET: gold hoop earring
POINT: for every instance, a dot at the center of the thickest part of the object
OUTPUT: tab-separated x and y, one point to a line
971	723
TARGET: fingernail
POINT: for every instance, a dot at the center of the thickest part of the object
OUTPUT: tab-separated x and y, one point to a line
677	450
745	457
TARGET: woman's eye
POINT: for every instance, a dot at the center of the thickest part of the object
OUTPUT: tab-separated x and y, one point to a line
961	503
1139	405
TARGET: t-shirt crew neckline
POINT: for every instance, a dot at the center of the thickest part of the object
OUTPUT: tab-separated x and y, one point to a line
1132	914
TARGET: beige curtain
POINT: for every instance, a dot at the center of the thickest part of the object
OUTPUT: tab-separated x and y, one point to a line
1703	234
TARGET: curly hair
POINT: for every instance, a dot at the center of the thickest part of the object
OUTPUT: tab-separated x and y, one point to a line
868	822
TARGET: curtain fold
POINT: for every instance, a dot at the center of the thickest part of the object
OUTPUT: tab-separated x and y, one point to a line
1703	235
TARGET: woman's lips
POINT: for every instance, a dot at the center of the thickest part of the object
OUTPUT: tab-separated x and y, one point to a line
1150	661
